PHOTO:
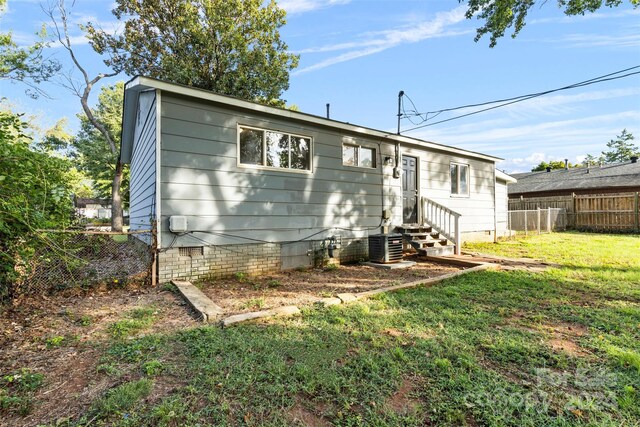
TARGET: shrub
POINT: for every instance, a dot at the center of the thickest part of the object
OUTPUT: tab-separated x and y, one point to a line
34	194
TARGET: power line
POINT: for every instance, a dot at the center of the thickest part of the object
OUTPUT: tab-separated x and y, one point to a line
508	101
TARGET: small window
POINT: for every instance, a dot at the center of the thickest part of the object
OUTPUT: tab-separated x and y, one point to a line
272	149
355	155
459	179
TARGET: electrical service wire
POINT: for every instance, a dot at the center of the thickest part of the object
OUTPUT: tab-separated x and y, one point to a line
506	101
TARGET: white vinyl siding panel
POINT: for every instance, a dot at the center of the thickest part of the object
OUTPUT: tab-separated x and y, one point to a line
502	201
142	190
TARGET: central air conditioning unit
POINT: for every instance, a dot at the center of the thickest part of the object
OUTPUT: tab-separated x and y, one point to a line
385	248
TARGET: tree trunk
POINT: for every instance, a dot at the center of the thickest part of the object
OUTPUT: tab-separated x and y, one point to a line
116	198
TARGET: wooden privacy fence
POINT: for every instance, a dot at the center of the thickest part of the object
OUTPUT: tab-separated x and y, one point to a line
607	212
596	212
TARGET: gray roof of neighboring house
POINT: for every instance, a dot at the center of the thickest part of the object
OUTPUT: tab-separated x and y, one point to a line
82	202
617	175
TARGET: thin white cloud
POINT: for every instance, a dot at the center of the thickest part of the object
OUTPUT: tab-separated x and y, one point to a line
553	105
548	105
589	16
302	6
374	42
602	40
549	140
553	132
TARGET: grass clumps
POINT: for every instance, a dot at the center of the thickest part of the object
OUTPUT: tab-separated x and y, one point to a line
123	398
17	390
136	320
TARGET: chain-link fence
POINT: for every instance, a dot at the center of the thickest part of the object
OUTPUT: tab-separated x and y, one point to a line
82	259
538	221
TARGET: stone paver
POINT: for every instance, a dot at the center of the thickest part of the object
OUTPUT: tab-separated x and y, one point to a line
288	310
207	309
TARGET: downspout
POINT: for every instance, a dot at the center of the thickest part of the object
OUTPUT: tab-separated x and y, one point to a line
396	168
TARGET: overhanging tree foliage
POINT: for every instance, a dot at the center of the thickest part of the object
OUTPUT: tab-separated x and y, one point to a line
26	65
231	47
500	15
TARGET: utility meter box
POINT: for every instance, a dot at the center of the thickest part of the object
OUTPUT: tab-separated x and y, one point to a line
177	223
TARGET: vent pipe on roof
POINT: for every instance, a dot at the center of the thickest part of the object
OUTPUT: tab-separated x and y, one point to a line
566	164
328	108
634	159
400	95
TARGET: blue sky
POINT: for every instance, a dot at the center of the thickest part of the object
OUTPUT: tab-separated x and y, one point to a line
358	54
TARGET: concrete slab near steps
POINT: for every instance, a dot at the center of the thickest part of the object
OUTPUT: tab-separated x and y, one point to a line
206	308
393	266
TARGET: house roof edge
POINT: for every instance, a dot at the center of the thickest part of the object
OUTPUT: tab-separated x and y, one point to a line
140	83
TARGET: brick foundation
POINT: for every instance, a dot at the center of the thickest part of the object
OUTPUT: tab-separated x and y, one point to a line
253	259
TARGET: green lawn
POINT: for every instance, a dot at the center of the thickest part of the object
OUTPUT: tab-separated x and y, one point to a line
556	348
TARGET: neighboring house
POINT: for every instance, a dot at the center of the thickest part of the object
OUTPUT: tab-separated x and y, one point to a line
236	186
611	178
599	198
92	208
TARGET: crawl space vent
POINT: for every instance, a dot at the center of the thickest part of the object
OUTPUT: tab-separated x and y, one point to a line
191	251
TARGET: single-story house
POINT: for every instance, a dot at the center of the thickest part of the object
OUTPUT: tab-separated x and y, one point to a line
92	208
610	178
236	186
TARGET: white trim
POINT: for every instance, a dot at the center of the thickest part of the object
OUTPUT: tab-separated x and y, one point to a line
264	153
504	177
140	83
158	167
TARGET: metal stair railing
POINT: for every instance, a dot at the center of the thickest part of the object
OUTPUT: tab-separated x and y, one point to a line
443	220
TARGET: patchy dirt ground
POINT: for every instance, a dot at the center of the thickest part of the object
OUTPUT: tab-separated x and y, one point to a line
241	293
65	336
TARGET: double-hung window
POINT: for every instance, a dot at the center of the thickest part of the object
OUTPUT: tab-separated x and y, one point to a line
459	179
356	155
271	149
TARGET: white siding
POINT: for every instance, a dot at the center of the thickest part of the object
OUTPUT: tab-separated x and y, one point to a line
502	202
142	190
